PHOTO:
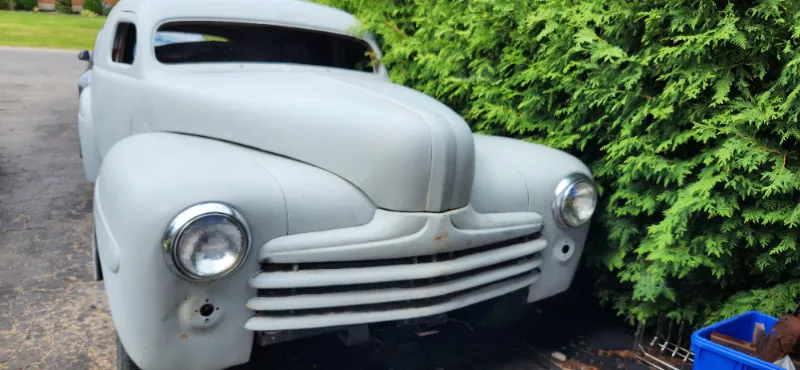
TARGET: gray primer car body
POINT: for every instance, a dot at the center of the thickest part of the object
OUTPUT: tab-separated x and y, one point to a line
161	38
325	165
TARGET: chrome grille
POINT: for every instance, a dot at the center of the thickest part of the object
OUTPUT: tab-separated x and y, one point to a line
306	295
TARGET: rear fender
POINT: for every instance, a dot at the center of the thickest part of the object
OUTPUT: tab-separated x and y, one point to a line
86	137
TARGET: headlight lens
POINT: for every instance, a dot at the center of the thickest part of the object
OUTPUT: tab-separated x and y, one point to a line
206	241
576	199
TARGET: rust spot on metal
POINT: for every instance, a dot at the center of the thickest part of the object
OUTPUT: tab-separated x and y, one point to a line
184	336
440	237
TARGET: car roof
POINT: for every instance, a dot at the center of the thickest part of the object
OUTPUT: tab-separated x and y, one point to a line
296	13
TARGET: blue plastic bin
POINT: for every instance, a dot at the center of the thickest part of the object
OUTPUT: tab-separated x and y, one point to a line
712	356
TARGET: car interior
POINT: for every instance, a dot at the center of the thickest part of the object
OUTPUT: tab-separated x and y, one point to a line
258	43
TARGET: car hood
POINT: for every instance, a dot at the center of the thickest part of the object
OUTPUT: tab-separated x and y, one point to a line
403	149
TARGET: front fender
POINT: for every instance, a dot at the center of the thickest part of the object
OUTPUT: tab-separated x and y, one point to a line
512	176
144	181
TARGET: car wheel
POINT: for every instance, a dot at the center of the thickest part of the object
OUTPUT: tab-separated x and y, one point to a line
96	269
124	361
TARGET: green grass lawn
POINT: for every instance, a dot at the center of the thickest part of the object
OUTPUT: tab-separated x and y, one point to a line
48	30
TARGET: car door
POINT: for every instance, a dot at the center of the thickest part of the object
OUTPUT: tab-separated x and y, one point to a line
115	80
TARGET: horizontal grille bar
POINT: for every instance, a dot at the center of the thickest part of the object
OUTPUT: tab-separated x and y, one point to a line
285	292
365	275
396	235
307	319
380	293
436	257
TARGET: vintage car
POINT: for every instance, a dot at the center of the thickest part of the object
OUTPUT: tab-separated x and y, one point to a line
270	183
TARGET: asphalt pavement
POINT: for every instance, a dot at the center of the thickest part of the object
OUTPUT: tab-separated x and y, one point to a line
53	316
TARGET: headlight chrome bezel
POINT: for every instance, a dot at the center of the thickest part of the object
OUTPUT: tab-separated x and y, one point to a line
562	190
186	218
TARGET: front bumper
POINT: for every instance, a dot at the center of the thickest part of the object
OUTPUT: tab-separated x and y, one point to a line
425	264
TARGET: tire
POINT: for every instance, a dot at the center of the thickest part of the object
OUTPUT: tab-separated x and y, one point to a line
124	361
97	271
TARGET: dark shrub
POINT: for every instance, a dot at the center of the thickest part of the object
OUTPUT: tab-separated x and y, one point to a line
25	4
64	6
96	6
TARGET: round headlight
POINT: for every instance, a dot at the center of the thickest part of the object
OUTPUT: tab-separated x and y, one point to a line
206	241
576	199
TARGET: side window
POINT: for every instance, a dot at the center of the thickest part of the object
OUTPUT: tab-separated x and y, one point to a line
124	43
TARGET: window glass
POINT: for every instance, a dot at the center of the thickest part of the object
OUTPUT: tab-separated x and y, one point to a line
231	42
124	43
168	37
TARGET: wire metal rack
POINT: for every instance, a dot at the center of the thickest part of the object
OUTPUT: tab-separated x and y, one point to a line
664	351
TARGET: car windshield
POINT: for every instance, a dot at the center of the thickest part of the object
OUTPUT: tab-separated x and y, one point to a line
231	42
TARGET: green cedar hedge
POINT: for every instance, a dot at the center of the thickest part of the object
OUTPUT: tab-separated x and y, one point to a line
25	4
685	110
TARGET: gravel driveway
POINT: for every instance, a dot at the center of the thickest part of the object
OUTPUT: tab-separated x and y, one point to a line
53	316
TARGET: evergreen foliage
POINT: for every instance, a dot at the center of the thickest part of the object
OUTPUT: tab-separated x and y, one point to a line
95	6
64	6
685	110
17	4
25	4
